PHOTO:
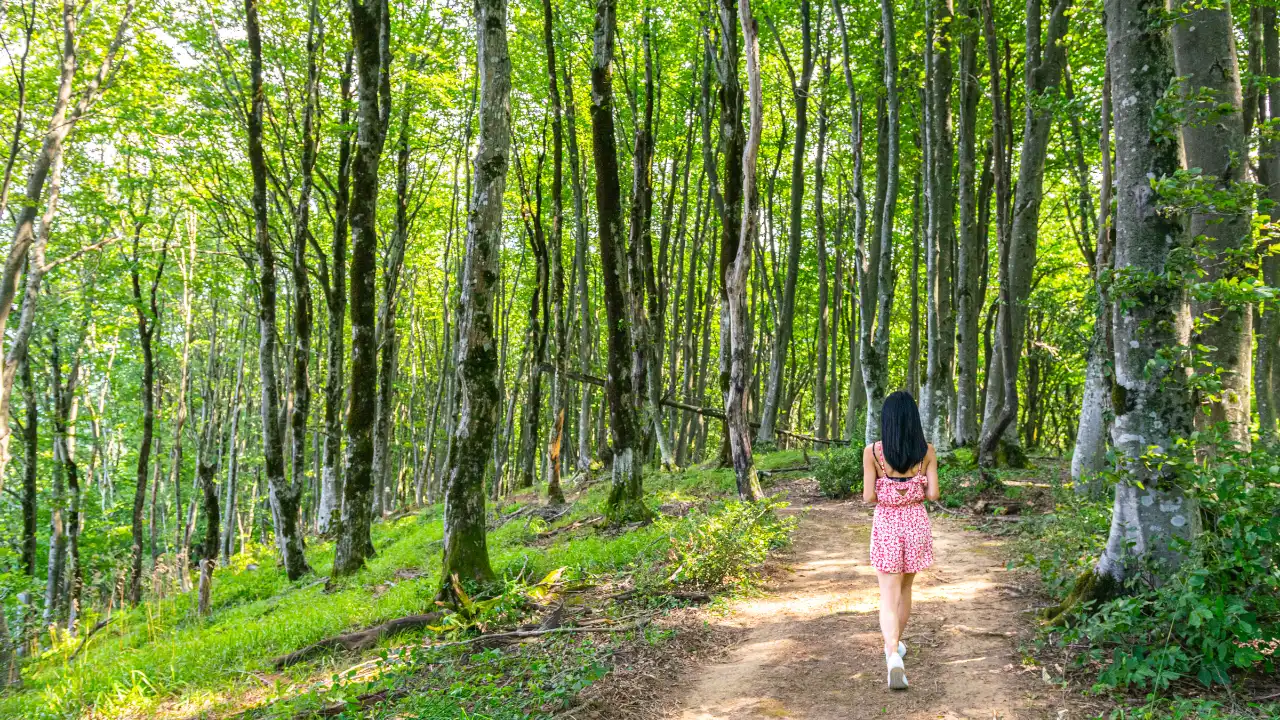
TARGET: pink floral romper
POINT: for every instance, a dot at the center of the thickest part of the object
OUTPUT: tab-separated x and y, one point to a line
901	536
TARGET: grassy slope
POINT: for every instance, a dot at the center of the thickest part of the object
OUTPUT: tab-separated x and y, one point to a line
161	655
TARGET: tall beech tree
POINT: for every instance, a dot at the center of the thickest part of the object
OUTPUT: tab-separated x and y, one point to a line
371	43
1045	58
1213	141
465	553
1152	403
800	81
626	501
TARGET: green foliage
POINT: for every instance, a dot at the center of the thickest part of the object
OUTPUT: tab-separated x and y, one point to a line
1216	615
839	472
721	546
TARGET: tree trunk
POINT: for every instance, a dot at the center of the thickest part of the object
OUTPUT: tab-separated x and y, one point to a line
786	313
586	317
388	339
1204	53
370	34
329	512
148	316
938	393
626	500
230	489
466	555
62	119
302	317
30	468
1266	382
1090	453
877	300
1043	73
559	389
969	301
1152	404
737	425
284	496
820	233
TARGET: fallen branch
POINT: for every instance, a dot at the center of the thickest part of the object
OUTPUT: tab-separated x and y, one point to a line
691	596
358	640
522	634
100	624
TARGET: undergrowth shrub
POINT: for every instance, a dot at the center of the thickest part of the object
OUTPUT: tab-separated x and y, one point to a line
720	546
1216	615
839	472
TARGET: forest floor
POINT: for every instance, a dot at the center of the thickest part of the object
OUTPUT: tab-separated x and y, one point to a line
810	646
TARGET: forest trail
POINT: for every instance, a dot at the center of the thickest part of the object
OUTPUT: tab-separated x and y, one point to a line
811	646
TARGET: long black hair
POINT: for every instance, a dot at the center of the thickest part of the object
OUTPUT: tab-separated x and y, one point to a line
901	433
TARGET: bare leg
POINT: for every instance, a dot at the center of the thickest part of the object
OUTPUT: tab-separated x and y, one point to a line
904	603
890	601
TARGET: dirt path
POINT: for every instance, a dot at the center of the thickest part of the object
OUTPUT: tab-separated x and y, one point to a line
812	646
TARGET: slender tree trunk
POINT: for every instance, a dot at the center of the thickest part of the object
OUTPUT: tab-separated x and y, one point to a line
820	233
30	468
1266	383
284	497
302	318
737	421
329	512
230	489
1153	407
1043	73
62	120
874	348
466	555
559	384
786	313
938	394
969	300
586	317
1090	452
148	316
388	337
370	33
1204	53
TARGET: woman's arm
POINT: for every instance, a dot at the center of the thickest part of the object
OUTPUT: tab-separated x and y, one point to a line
869	475
933	491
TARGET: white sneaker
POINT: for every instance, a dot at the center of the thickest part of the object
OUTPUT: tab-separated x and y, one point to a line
902	650
897	673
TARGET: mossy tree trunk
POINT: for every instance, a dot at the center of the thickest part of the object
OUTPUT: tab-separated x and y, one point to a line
371	37
625	502
466	554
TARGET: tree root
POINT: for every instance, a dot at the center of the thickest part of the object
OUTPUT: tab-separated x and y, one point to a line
1089	587
358	640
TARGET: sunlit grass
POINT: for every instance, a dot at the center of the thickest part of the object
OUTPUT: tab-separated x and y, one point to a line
162	656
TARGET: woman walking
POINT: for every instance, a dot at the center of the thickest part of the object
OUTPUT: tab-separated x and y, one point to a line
898	474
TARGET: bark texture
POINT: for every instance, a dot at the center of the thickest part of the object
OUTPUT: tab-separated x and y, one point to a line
1205	60
371	38
466	554
285	498
1150	317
